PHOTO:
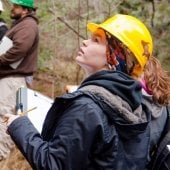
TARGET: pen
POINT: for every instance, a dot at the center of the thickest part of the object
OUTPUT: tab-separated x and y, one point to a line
23	113
20	113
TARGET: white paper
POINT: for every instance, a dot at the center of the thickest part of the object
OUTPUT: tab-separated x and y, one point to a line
16	64
42	104
5	45
38	102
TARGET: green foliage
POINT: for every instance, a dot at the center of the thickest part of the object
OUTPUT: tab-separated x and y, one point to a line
43	12
44	57
5	16
63	42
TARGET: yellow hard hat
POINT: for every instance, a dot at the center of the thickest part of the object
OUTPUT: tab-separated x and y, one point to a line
132	33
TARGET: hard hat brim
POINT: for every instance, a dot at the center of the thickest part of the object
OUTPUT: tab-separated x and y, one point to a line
92	27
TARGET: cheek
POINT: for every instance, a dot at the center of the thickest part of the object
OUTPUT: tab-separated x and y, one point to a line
99	51
101	55
14	12
97	58
93	56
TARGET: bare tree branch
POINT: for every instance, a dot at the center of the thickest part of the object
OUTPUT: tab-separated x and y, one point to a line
60	19
153	13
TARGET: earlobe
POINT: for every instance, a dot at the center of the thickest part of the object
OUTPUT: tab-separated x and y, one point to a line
25	11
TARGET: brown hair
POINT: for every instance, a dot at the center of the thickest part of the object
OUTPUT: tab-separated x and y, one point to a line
156	78
158	81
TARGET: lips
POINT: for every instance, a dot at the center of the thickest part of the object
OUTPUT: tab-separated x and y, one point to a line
81	51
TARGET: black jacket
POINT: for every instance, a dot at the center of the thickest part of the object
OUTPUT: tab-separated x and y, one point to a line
101	126
3	28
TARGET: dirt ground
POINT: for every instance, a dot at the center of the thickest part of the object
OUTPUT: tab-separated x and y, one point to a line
15	161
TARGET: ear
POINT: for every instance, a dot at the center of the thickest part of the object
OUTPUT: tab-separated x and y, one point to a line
25	11
111	58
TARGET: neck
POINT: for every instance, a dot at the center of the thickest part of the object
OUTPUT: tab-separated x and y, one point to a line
90	72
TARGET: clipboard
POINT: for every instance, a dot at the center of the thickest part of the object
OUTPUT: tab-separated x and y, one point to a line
5	44
27	99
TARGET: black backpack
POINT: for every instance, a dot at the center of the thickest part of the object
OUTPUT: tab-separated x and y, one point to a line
160	159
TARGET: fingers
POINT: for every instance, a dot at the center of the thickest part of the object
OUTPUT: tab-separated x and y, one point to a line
9	118
5	119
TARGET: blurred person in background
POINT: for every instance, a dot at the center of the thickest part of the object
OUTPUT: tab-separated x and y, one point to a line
3	26
18	63
105	123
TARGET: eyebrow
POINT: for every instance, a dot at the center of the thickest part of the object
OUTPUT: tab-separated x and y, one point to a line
97	34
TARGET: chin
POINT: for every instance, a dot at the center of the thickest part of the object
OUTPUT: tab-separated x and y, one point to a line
78	62
78	59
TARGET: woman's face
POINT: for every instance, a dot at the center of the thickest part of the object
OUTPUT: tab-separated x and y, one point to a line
92	54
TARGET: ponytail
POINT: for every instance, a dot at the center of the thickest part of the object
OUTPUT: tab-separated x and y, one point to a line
157	81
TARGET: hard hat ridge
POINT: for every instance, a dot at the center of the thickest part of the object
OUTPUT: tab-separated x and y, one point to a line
25	3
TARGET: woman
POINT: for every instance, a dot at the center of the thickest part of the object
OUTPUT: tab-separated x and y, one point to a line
104	124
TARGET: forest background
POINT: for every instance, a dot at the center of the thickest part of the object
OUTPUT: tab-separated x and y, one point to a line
62	26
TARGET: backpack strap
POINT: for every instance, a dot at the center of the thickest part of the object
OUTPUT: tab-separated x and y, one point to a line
167	126
162	150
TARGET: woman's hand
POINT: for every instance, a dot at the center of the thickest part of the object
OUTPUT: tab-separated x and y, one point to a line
9	118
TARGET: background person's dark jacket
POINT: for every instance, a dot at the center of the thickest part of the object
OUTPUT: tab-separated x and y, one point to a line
99	127
3	28
159	118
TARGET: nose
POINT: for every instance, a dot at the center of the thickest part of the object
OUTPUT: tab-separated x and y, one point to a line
85	42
